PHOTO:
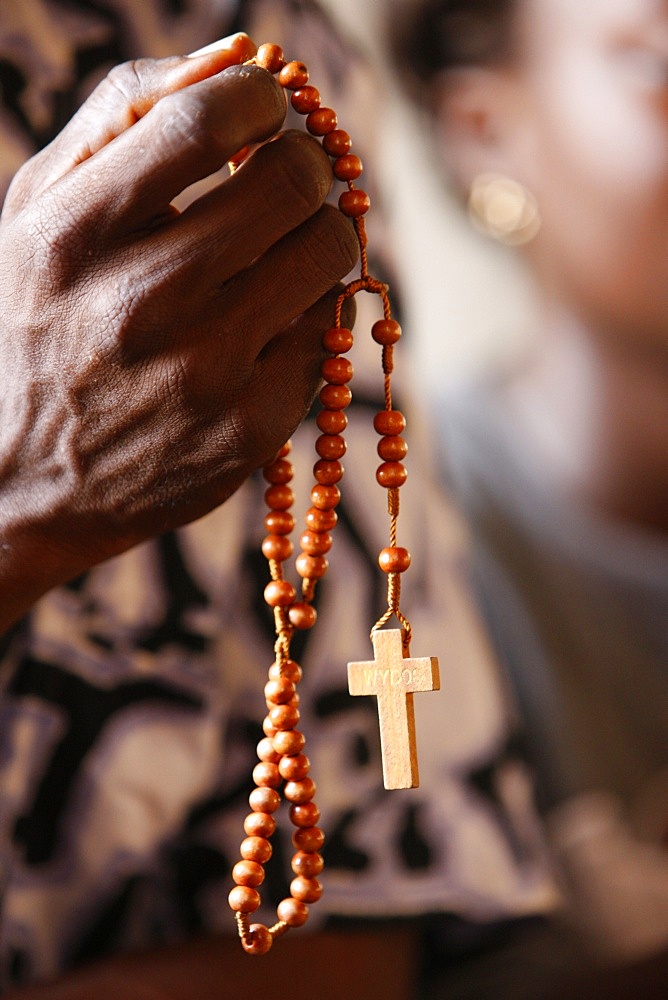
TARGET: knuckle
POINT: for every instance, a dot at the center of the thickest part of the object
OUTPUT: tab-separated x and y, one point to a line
332	246
298	174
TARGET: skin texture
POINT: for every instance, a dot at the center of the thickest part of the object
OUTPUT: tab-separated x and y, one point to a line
151	360
580	116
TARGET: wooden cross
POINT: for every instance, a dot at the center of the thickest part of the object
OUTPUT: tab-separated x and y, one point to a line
393	678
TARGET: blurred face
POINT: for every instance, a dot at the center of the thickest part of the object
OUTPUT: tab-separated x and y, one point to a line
592	143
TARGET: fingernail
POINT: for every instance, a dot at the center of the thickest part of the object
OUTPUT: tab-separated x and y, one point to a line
222	43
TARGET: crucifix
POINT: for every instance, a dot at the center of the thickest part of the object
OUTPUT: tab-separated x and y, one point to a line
393	677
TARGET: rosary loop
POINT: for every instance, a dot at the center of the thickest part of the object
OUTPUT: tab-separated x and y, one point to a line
393	677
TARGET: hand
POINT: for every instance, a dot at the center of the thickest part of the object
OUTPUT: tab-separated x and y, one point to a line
152	359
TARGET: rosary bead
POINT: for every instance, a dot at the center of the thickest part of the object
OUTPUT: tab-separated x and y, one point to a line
325	497
266	775
279	497
279	691
268	728
316	543
264	800
289	669
249	873
266	752
270	57
244	899
305	100
288	744
337	371
278	472
347	167
259	940
293	75
321	520
300	791
386	332
394	559
309	839
277	547
389	422
392	448
354	203
284	717
331	421
258	848
327	473
330	447
259	826
321	121
307	864
391	475
335	397
279	593
292	912
304	814
338	340
279	522
312	567
294	768
302	616
337	143
285	449
308	890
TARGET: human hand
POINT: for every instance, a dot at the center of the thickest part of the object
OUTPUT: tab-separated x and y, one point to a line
150	359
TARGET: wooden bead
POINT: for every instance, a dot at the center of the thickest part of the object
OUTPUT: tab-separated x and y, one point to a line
331	421
302	616
325	497
294	768
257	848
347	168
389	422
304	814
392	448
288	743
279	522
293	75
307	864
279	691
335	397
285	450
244	899
316	543
312	567
249	873
277	547
279	472
391	475
394	559
308	890
305	100
284	717
330	446
327	473
288	668
354	203
266	752
279	593
266	775
386	332
260	825
270	57
337	371
279	497
265	800
299	791
337	143
258	941
292	912
308	839
321	520
321	121
338	340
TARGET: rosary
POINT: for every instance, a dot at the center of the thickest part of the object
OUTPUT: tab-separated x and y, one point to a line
392	676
